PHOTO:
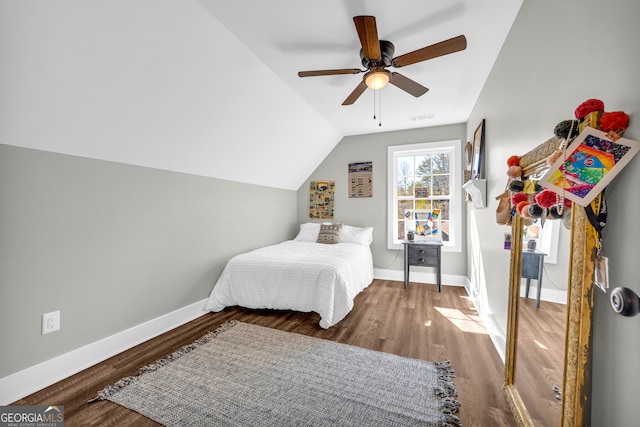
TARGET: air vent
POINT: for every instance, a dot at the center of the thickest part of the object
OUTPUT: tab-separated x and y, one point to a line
422	117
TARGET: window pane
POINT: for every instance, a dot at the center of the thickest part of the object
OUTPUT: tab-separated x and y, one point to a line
423	204
443	205
445	230
405	166
440	163
403	206
423	165
441	185
401	230
405	186
424	182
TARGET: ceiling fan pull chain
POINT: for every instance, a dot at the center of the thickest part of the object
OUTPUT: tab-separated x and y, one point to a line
374	104
380	109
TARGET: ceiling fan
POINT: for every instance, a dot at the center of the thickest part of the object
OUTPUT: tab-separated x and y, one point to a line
376	55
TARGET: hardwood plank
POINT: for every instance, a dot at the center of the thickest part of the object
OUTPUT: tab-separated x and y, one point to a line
541	337
418	322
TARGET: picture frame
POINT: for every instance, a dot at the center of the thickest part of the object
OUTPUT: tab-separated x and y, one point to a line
360	179
321	199
477	148
592	160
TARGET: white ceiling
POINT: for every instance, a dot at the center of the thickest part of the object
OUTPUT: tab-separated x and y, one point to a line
210	87
295	35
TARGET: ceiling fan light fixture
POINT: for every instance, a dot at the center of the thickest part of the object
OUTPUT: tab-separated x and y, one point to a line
377	79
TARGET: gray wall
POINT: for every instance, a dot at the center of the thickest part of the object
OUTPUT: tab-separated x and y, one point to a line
372	212
557	55
112	246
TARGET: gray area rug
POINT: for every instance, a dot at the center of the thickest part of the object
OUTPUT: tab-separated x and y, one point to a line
248	375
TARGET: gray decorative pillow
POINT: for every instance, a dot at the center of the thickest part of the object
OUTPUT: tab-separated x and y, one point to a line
329	233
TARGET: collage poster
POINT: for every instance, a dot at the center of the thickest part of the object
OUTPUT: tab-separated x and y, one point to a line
593	160
321	199
361	179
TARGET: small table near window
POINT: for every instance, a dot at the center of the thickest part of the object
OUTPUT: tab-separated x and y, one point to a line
425	254
532	268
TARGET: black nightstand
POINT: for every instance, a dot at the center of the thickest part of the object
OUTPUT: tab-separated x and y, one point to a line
425	254
532	268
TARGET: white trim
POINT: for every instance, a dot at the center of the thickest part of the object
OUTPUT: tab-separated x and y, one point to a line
551	295
497	335
29	380
419	277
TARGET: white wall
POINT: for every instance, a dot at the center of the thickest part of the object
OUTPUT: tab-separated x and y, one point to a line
557	55
112	246
157	83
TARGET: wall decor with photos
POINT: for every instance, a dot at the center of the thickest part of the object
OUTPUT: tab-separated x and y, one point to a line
361	179
321	199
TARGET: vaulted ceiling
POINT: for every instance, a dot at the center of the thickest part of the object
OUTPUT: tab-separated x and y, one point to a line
210	87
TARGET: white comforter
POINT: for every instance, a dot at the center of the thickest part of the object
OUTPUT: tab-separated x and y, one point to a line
293	275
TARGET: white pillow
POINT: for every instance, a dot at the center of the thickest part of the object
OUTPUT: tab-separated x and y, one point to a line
308	232
361	236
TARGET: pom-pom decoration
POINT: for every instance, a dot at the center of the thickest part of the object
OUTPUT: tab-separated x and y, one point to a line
514	172
516	186
513	161
589	106
521	206
519	197
567	129
546	198
617	121
535	211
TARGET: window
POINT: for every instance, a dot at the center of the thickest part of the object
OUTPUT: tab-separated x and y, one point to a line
424	178
546	238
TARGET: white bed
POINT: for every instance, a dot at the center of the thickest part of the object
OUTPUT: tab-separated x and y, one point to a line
299	275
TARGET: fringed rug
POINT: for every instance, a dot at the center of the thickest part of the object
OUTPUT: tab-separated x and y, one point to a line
248	375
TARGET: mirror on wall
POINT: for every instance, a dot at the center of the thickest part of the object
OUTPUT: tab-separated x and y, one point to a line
548	346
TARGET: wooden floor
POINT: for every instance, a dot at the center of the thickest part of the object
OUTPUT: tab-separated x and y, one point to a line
540	360
418	322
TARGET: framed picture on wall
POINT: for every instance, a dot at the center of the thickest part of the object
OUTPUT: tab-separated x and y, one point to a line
476	155
361	179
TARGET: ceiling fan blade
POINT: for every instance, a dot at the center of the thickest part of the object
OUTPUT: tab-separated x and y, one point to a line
328	72
410	86
359	90
445	47
368	33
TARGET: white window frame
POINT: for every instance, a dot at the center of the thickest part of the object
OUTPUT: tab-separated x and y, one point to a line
548	240
393	152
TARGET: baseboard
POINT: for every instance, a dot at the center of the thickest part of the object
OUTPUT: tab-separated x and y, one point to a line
419	277
28	381
497	335
551	295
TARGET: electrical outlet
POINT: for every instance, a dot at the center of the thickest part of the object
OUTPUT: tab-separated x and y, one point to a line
50	322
